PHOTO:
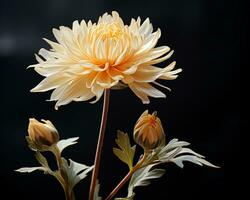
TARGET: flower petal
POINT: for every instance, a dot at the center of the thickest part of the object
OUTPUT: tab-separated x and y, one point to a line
72	91
144	98
146	89
147	74
50	83
146	28
114	73
98	91
150	42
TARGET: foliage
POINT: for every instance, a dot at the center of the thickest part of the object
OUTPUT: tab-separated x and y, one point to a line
125	152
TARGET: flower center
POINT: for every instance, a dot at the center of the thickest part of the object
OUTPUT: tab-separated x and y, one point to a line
109	30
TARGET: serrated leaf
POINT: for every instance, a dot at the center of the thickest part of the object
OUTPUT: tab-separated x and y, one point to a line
97	189
166	156
79	171
173	144
190	151
143	176
62	144
30	169
175	151
191	158
75	171
42	160
125	152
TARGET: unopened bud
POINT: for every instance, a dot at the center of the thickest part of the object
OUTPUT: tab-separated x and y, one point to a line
42	133
148	131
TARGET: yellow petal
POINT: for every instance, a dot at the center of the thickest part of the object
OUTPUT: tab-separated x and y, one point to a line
144	98
50	83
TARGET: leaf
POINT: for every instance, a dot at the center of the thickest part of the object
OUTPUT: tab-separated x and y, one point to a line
176	152
143	176
62	144
41	159
191	158
125	152
75	171
173	144
30	169
79	171
97	189
167	155
190	151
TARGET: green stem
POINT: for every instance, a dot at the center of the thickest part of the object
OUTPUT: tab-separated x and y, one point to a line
127	177
99	144
69	193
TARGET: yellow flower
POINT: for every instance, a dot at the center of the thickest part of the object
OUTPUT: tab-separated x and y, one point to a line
42	133
92	57
148	131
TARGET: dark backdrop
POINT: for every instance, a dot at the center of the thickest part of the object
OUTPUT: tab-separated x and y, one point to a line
203	107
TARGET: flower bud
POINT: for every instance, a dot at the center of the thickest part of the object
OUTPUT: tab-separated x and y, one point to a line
42	133
148	131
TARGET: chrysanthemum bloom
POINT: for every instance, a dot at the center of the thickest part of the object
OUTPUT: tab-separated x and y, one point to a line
148	131
42	133
92	57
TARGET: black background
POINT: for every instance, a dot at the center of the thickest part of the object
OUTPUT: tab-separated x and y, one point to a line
203	107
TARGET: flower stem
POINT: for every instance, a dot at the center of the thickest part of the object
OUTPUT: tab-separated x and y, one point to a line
99	144
119	186
69	193
127	177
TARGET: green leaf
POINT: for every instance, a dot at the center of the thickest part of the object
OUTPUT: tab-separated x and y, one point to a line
42	160
143	176
62	144
30	169
191	158
125	152
75	171
177	152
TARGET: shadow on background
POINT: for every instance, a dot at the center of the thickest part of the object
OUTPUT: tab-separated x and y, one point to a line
203	107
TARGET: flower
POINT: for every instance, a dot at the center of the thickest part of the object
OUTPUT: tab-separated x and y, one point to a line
92	57
42	133
148	131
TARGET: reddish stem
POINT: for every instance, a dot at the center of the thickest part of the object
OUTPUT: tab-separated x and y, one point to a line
99	144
